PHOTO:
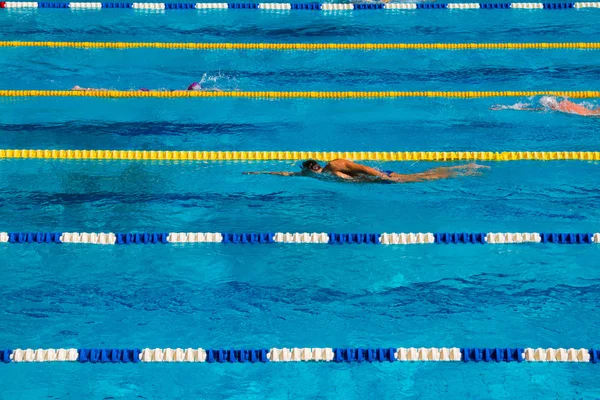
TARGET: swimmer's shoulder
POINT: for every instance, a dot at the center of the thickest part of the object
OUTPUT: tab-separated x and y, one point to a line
339	163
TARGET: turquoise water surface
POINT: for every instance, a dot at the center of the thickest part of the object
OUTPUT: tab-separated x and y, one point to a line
214	295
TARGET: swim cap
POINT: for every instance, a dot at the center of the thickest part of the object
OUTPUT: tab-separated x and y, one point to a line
549	101
194	86
310	165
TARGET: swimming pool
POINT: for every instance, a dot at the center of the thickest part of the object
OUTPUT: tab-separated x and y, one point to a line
279	295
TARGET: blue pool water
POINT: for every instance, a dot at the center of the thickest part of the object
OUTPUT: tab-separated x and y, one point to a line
276	295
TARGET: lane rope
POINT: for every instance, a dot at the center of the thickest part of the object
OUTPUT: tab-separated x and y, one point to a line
294	95
119	238
297	6
296	354
149	155
306	46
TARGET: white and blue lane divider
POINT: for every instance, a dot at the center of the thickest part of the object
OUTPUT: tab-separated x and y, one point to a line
299	6
326	354
120	238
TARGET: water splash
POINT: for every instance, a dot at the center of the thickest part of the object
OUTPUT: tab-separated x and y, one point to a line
218	81
549	102
517	106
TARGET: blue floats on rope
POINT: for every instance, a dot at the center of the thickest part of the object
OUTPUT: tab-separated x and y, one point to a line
429	6
244	238
270	237
369	6
306	6
486	354
109	355
567	238
594	356
44	4
363	355
117	5
243	5
354	238
180	6
235	356
494	6
5	356
558	6
314	6
34	237
141	238
448	238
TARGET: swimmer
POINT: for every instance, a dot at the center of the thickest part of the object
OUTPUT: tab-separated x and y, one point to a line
193	86
78	88
197	86
551	103
350	171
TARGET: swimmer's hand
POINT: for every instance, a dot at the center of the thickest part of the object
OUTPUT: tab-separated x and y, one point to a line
496	107
471	169
283	173
471	166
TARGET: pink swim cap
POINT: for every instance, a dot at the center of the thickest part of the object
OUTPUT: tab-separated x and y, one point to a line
194	86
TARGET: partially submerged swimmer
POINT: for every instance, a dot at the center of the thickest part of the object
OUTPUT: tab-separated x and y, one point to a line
193	87
351	171
551	103
198	86
78	88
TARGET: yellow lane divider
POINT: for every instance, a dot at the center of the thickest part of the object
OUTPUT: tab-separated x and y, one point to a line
306	46
288	95
299	155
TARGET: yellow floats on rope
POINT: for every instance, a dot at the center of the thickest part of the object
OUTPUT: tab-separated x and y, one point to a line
299	155
290	95
307	46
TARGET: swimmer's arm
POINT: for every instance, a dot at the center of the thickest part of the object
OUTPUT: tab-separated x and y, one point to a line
282	173
500	108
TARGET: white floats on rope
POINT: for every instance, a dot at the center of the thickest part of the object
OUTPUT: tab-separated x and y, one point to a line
21	4
301	237
88	238
298	6
400	6
110	238
44	355
275	6
428	354
301	354
148	6
501	238
527	5
336	7
557	355
209	6
194	237
463	6
85	6
407	238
